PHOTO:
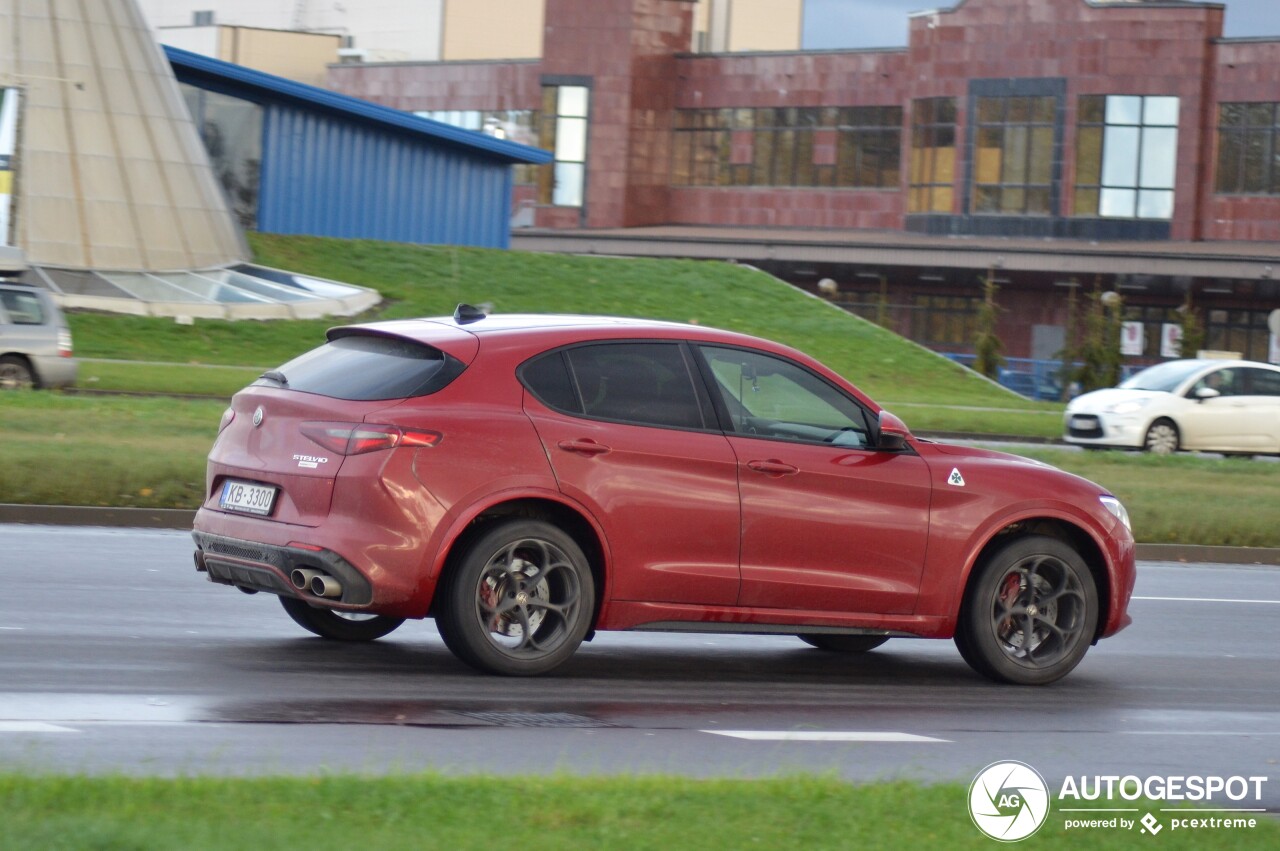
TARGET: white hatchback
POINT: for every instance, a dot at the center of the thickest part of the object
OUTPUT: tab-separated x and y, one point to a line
1227	406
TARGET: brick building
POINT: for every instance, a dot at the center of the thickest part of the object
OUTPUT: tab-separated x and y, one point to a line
1056	145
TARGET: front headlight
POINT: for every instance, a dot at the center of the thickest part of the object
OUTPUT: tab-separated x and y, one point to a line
1130	407
1110	503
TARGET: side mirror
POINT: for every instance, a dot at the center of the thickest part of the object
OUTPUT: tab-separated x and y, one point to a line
891	433
1206	393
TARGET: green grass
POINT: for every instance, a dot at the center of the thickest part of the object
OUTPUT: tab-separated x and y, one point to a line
46	813
75	450
430	281
137	376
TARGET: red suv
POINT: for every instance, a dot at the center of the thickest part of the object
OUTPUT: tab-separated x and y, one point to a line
528	480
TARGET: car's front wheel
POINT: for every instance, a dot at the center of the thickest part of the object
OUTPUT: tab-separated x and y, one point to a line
518	601
340	626
843	643
1029	614
1162	437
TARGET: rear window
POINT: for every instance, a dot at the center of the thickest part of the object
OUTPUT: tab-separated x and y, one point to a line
23	308
367	368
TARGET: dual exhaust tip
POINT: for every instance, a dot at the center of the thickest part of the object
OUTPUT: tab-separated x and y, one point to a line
317	582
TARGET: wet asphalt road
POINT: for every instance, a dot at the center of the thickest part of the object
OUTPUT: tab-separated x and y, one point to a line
115	656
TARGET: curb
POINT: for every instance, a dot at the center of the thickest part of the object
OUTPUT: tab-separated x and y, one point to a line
178	518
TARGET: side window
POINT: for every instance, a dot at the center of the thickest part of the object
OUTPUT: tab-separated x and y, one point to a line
641	383
1262	382
23	308
771	397
1225	381
547	377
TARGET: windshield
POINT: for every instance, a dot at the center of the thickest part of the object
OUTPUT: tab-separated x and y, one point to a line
1163	377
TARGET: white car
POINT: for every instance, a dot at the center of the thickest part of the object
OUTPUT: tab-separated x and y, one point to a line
1228	406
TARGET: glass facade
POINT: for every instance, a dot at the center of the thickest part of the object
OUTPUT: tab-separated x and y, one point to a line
932	171
1248	154
517	125
1013	155
846	147
562	129
1126	153
231	130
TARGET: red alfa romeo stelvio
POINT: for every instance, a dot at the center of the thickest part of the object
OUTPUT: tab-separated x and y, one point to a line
527	480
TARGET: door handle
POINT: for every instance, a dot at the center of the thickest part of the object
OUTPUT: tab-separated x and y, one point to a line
583	446
773	467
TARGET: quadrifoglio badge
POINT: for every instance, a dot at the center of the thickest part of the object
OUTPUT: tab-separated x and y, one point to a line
1010	800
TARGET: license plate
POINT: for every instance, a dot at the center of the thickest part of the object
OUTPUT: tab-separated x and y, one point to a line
246	497
1084	422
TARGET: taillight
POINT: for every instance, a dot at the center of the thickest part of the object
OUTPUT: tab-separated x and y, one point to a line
358	438
64	342
228	417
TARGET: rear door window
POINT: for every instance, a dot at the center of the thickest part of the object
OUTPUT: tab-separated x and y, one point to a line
633	382
367	368
22	308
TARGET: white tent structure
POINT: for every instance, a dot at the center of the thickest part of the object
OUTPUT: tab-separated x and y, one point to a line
105	186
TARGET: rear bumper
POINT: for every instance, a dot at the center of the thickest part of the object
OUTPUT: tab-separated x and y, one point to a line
267	567
55	371
379	566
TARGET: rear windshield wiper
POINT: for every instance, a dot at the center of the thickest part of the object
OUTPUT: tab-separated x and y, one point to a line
277	376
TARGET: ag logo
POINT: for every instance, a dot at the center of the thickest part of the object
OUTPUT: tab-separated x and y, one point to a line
1008	801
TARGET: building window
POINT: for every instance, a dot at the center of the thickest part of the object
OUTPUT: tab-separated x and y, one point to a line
1243	331
945	320
1126	156
563	130
847	147
1247	149
202	18
1153	319
1013	156
931	175
231	130
514	124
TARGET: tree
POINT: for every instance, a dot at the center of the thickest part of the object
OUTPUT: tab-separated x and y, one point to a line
1192	330
1100	348
986	343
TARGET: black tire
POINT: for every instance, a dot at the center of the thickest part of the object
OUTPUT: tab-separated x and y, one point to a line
339	626
518	601
1162	437
842	643
1029	614
16	374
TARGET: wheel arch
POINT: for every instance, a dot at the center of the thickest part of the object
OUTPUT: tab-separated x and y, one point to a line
573	521
1069	533
30	365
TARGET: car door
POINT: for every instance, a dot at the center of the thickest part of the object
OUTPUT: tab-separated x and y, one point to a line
1217	422
1262	408
632	437
829	523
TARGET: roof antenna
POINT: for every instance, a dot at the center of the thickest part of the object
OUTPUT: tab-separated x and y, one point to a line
466	313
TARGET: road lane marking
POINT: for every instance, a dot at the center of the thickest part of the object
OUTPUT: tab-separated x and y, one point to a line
33	727
1208	600
815	736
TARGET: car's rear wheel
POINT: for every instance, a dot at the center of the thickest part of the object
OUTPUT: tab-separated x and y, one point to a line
340	626
15	374
1162	437
518	601
1030	613
843	643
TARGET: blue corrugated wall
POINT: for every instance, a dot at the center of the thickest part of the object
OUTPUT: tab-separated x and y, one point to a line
326	176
